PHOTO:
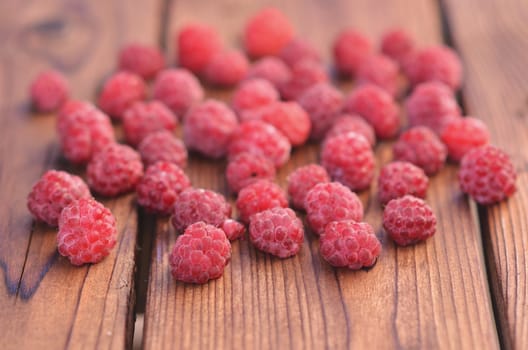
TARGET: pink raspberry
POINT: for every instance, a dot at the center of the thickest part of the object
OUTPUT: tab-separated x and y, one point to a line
163	146
350	49
463	134
159	188
271	69
298	50
252	94
227	68
302	180
421	146
381	71
346	123
487	175
246	168
398	179
144	118
327	202
119	92
87	232
196	45
409	220
259	196
277	231
114	170
397	44
143	60
267	32
350	244
52	193
233	229
200	254
70	107
304	75
49	91
377	107
209	127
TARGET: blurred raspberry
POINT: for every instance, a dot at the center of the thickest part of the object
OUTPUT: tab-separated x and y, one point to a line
227	68
267	32
298	50
304	75
398	179
196	45
144	118
302	180
246	168
119	92
143	60
350	49
381	71
259	196
49	91
346	123
462	135
252	94
163	146
271	69
397	44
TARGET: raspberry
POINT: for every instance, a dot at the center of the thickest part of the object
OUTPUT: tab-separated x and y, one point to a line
421	146
196	204
350	49
200	254
178	89
409	220
246	168
54	191
144	118
143	60
348	158
271	69
233	229
252	94
114	170
302	180
258	137
49	91
197	44
377	107
159	188
163	146
209	127
463	134
346	123
119	92
267	32
70	107
349	244
381	71
227	68
397	44
87	232
487	175
327	202
432	104
304	75
259	196
398	179
277	231
298	50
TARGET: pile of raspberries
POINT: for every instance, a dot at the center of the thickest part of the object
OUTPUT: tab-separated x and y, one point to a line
283	97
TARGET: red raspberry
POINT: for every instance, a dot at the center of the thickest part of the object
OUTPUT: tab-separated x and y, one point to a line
143	60
200	254
70	107
252	94
298	50
159	188
421	146
381	71
196	204
271	69
114	170
409	220
346	123
259	196
227	68
327	202
397	44
54	191
197	44
119	92
304	75
87	232
350	49
487	175
144	118
350	244
267	32
246	168
209	127
233	229
377	107
398	179
463	134
49	91
302	180
163	146
277	231
348	158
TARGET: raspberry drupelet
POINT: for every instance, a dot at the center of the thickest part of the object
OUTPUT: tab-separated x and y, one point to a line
462	135
233	229
196	45
163	146
298	50
302	180
49	91
227	68
398	179
246	168
119	92
144	118
346	123
267	32
381	71
397	44
143	60
271	69
252	94
350	49
259	196
304	75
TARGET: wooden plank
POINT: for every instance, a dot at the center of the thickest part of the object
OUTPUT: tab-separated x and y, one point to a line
433	295
46	302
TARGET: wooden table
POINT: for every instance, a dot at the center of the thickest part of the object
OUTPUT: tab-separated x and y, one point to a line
466	288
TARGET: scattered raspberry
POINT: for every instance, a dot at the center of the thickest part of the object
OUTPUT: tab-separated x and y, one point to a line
302	180
350	49
381	71
277	231
119	92
197	44
87	232
163	146
252	94
144	118
409	220
304	75
227	68
246	168
271	69
398	179
143	60
259	196
233	229
463	134
49	91
346	123
298	50
69	107
267	32
397	44
487	175
200	254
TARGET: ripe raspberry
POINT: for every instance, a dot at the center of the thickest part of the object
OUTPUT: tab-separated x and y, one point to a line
350	49
277	231
463	134
271	69
119	92
233	229
398	179
114	170
259	196
327	202
69	107
304	75
381	71
409	220
163	146
227	68
144	118
143	60
209	127
200	254
298	50
421	146
349	244
252	94
397	44
487	175
54	191
87	232
302	180
49	91
377	107
246	168
267	32
346	123
159	188
196	44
